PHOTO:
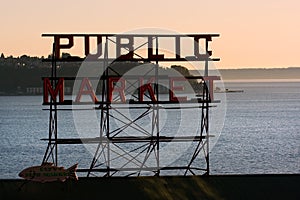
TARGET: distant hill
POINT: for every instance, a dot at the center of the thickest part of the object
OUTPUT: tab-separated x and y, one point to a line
22	75
272	73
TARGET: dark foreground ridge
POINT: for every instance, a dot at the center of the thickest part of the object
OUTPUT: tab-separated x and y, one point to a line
169	187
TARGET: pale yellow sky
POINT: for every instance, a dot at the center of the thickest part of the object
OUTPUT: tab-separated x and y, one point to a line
253	33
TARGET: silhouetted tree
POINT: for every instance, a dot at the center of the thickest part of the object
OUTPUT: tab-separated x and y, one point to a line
185	72
181	69
65	55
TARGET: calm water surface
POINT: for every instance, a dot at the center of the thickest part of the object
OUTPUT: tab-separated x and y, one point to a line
261	132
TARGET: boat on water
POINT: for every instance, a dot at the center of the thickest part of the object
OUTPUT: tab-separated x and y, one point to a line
228	90
218	90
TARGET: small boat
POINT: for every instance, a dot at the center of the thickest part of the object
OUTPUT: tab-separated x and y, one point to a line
218	90
227	90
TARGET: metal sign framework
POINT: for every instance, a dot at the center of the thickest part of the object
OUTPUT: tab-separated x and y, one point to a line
119	154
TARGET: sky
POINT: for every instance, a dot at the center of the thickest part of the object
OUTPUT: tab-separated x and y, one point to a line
253	34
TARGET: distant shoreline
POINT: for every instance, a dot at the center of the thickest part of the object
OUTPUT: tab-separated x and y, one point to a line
249	80
280	73
270	80
23	75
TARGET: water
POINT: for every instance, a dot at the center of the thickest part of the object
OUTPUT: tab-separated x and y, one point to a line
261	132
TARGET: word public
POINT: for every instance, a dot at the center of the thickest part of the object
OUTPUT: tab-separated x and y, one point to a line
129	41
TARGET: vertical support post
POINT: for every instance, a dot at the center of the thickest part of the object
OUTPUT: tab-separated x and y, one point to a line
207	100
104	119
156	112
51	151
107	105
207	128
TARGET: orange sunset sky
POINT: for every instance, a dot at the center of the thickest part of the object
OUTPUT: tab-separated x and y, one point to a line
253	34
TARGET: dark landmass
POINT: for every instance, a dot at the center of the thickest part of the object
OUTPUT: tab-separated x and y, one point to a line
231	187
23	75
273	73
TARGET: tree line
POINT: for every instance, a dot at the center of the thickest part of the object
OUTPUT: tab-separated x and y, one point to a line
17	74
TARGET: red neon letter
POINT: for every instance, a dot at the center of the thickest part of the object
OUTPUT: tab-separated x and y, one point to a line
144	87
128	46
59	46
89	90
53	93
178	88
112	82
210	86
